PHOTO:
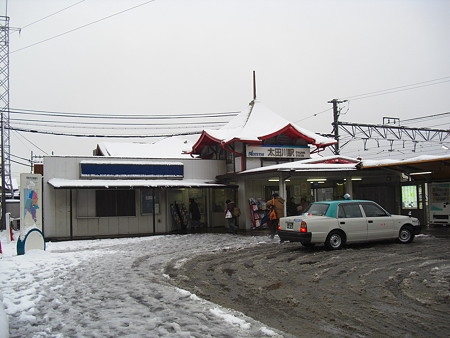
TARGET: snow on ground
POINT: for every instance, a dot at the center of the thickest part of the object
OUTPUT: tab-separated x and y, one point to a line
115	287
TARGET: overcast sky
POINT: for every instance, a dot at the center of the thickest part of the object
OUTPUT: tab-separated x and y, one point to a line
197	56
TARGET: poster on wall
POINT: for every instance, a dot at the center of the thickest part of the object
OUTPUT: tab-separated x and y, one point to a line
147	201
31	200
409	197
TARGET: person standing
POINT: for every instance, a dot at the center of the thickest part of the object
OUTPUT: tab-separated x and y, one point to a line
291	207
194	213
303	206
229	216
276	204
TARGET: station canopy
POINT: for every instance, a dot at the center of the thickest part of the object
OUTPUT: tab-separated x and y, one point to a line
63	183
428	167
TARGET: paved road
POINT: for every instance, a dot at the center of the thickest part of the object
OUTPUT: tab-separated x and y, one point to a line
375	289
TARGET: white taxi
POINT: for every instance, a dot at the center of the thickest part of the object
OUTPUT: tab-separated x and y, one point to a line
336	223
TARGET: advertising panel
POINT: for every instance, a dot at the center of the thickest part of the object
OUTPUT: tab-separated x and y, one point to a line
31	201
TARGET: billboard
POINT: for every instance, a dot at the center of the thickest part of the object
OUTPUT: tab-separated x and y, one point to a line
31	201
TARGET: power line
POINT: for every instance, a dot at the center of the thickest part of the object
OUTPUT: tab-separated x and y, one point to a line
20	163
387	91
143	125
400	90
314	115
48	16
428	116
102	135
21	158
394	89
34	145
121	116
83	26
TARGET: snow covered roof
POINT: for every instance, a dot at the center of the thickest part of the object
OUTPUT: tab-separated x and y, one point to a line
413	160
254	125
170	147
316	164
62	183
336	159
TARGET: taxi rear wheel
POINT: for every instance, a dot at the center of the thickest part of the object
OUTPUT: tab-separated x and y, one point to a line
335	240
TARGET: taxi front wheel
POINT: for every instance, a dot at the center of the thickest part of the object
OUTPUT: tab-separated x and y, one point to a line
405	235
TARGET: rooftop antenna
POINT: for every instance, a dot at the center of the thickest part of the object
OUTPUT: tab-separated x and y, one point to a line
254	85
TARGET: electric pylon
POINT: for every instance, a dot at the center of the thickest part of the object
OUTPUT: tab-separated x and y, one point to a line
7	187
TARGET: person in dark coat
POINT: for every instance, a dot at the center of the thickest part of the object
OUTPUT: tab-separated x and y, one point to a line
194	213
291	207
229	216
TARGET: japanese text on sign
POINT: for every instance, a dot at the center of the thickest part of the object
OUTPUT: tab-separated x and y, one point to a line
278	151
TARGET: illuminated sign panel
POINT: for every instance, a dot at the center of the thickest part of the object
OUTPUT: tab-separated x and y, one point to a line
132	170
299	152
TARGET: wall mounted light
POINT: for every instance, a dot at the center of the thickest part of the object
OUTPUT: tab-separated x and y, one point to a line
421	173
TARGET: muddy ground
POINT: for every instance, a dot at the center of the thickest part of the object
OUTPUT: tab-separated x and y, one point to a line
372	289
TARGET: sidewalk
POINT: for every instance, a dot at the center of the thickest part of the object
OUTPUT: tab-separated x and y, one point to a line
436	230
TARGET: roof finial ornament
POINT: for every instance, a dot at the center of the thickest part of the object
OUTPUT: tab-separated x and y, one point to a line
254	85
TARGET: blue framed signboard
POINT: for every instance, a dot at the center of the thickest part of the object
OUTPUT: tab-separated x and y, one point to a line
131	170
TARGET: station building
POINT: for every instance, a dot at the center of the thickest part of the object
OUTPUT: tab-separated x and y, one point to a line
143	189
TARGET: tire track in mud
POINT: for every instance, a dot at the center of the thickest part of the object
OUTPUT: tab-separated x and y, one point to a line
364	290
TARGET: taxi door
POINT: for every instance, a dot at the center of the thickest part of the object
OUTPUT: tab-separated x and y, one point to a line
380	224
353	222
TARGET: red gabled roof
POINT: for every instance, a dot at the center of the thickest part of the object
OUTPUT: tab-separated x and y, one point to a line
204	140
288	130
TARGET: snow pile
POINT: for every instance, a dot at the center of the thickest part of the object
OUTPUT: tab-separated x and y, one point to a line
115	287
4	324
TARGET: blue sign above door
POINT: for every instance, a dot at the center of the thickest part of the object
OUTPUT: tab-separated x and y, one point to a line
131	170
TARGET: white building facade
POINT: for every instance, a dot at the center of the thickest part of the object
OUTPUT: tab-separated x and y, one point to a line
91	197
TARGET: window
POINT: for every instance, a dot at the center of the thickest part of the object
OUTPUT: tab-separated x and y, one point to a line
349	211
317	209
373	210
147	201
111	203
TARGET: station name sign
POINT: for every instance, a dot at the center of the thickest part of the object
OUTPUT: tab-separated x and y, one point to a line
299	152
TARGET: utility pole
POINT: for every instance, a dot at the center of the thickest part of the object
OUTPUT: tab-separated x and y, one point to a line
336	112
